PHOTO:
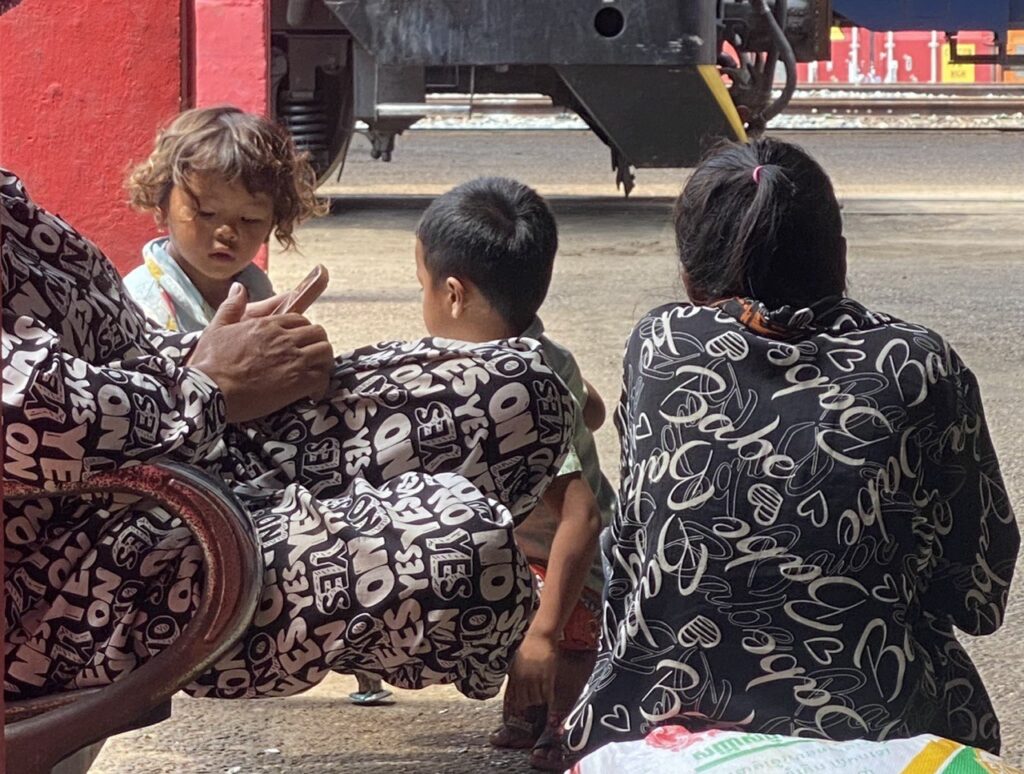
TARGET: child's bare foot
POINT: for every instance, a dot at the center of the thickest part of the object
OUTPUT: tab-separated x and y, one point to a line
539	729
549	753
571	674
519	730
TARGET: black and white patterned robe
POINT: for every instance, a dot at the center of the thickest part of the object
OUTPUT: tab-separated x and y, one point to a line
384	512
810	505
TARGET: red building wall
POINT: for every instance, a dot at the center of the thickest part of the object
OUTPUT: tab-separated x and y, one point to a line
84	87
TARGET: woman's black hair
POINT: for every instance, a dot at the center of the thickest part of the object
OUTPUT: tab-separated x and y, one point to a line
761	220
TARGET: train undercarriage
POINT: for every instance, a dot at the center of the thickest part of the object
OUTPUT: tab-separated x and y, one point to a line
655	80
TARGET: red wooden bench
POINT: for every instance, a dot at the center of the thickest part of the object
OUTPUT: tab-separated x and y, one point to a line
69	728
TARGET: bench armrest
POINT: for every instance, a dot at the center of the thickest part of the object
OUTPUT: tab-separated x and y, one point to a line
67	722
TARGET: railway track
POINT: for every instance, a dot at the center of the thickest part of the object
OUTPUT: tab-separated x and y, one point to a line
903	101
869	100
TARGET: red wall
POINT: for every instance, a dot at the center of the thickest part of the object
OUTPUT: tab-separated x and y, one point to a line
232	58
232	53
84	87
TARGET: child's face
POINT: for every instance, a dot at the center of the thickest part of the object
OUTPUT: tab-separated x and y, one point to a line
218	233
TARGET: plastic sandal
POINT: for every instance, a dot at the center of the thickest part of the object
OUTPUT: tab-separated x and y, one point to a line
371	698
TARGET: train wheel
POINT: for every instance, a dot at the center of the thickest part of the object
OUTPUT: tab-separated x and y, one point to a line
320	119
344	128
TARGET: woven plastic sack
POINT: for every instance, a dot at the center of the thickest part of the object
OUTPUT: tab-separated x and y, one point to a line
674	750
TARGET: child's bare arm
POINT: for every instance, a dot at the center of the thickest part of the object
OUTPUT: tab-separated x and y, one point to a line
572	552
593	412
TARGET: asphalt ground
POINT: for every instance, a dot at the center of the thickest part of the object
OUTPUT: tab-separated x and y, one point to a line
935	223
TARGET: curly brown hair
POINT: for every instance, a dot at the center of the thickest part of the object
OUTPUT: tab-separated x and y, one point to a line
236	145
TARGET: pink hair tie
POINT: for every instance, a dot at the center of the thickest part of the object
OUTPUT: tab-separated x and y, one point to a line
757	174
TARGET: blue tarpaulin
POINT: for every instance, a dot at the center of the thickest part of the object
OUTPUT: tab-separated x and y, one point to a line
948	15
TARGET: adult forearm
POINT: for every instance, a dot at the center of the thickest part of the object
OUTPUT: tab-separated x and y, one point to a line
64	417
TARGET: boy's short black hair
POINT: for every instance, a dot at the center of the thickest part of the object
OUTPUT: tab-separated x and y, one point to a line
499	235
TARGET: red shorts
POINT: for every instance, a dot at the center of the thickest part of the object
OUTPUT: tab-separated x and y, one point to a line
583	627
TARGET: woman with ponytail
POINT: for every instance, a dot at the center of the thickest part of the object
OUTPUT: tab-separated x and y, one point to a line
810	501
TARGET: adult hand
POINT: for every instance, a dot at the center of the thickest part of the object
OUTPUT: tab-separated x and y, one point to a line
532	676
262	363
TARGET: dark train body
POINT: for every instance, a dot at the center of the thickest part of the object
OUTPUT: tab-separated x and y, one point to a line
654	79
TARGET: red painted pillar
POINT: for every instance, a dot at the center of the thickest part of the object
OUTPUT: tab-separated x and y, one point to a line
232	54
83	89
232	58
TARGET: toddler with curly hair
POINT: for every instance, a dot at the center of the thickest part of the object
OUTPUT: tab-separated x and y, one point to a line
220	181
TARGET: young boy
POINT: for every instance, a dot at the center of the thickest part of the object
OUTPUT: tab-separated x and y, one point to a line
484	256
